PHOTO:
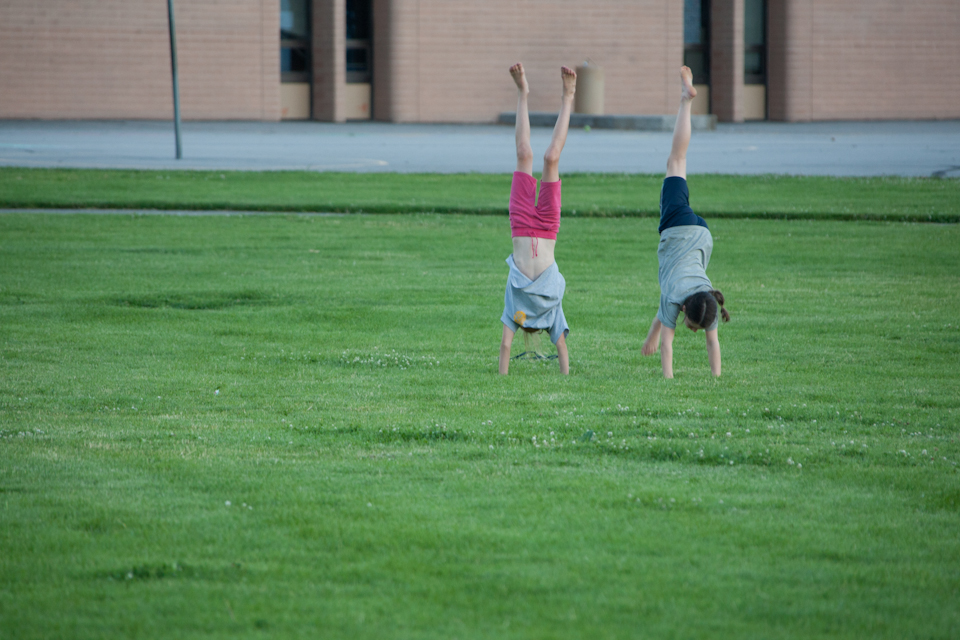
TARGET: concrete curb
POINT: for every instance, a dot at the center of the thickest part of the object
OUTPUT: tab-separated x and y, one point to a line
621	122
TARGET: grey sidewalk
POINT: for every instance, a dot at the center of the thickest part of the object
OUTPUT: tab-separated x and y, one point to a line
823	148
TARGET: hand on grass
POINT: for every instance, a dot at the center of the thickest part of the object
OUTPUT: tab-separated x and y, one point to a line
650	347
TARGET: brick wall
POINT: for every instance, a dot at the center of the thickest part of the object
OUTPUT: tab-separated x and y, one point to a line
883	59
726	60
397	60
447	60
93	59
329	60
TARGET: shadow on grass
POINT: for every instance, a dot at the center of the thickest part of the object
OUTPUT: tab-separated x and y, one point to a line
196	301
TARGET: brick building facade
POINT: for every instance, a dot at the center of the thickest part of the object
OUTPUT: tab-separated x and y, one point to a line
446	60
110	59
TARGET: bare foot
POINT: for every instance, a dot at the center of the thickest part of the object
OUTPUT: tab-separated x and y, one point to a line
518	76
569	77
687	92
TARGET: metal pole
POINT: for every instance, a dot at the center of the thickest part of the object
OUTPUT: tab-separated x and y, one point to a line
176	82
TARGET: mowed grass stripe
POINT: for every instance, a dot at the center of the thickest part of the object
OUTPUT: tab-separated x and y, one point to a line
585	194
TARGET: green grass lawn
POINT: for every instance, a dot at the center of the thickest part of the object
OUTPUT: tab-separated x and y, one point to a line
292	426
594	195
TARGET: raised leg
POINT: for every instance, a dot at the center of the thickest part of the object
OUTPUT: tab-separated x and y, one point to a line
524	150
677	162
551	159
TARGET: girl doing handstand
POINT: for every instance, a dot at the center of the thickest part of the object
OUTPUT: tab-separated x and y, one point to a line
534	292
683	254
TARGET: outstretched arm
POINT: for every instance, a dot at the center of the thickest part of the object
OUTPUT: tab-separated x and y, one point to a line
713	352
505	343
652	343
563	356
666	351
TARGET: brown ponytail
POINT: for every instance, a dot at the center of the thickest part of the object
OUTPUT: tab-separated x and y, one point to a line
701	308
723	312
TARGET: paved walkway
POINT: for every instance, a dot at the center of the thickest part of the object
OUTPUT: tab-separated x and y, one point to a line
823	148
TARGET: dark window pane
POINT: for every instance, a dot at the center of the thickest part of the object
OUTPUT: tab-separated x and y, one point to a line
696	39
754	42
753	23
358	19
295	19
696	59
294	59
357	60
693	22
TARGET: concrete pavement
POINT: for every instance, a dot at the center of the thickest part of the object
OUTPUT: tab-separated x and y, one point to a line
925	148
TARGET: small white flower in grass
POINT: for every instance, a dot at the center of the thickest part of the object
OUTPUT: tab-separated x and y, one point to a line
369	504
790	461
729	434
491	446
227	503
610	433
217	392
799	466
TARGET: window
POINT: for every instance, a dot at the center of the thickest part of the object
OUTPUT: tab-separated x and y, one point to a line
754	42
359	54
696	39
295	40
